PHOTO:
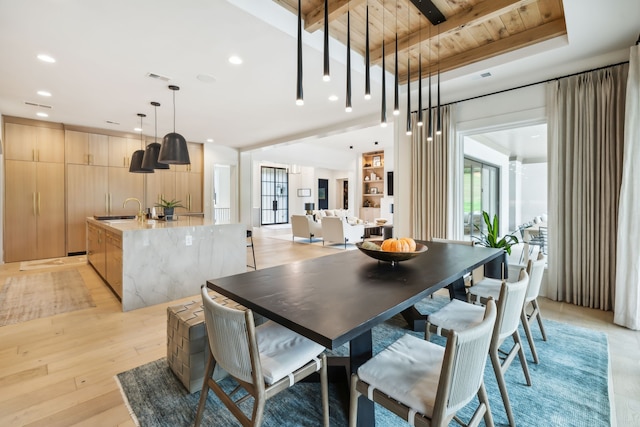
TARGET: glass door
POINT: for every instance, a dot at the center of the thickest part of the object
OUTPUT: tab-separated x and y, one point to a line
274	207
481	193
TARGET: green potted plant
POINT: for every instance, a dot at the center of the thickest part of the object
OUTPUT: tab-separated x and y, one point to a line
491	239
168	206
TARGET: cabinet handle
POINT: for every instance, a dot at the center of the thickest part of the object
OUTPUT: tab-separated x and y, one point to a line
106	202
34	204
38	203
33	154
38	153
109	202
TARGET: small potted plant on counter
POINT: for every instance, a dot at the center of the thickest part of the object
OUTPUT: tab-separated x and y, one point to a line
492	240
168	206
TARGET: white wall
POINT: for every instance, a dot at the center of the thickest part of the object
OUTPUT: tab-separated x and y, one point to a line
534	191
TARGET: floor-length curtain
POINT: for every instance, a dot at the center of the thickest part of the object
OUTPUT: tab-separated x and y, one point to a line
627	290
429	177
585	126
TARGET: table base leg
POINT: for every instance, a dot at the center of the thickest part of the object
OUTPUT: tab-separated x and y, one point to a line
361	350
417	322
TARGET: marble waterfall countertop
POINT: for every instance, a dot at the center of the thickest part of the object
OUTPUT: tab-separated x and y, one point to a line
167	260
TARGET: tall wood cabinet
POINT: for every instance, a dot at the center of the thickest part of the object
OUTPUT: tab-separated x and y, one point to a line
98	181
34	220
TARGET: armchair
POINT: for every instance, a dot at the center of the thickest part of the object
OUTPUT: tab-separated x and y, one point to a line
335	229
305	227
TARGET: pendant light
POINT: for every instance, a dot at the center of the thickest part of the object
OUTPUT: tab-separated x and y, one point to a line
299	97
150	159
438	113
136	158
383	110
348	100
396	101
326	77
430	118
173	150
367	67
420	123
409	130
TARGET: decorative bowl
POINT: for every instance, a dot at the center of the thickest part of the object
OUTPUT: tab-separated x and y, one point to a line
392	257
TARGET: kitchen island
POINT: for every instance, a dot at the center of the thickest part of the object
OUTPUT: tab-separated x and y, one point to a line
151	262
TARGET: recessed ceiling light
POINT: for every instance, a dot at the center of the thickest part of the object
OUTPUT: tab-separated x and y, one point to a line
333	98
137	129
236	60
44	93
209	140
46	58
40	114
206	78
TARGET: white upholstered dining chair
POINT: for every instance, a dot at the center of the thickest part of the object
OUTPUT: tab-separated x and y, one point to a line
427	384
459	316
263	360
530	310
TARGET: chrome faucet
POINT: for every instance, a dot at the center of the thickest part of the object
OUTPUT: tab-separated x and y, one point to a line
140	215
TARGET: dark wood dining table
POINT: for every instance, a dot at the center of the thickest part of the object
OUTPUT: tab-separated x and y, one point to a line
339	298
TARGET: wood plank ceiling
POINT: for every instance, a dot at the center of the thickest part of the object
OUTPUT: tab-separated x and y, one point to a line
474	30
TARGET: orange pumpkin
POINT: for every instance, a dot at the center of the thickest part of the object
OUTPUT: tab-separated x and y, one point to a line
395	245
410	242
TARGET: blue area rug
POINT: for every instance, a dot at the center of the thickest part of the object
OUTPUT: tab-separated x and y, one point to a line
570	387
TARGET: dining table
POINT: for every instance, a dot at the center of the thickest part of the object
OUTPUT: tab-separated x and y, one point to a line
339	298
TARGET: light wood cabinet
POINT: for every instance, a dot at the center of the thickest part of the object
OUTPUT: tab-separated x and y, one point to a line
196	157
84	148
122	185
113	259
33	143
121	149
97	249
34	210
161	183
87	195
189	190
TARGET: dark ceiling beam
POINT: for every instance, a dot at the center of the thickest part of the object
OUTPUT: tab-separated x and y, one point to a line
314	20
472	16
526	38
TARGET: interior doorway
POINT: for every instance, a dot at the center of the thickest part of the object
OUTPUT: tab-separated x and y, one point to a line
481	194
274	196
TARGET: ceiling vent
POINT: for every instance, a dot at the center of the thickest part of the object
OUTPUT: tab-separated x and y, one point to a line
158	76
485	75
35	104
112	122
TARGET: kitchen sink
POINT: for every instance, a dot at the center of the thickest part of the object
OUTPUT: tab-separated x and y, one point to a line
113	217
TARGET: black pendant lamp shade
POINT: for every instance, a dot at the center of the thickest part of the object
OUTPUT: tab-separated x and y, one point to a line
348	100
173	150
299	95
327	75
150	159
136	158
367	69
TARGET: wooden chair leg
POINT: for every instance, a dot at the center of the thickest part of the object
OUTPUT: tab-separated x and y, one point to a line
538	314
523	360
211	364
527	330
353	404
324	386
497	368
483	398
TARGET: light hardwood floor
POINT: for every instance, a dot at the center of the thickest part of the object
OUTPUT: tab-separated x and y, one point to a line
59	371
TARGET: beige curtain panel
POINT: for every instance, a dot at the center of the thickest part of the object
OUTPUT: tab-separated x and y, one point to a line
429	176
627	291
586	140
